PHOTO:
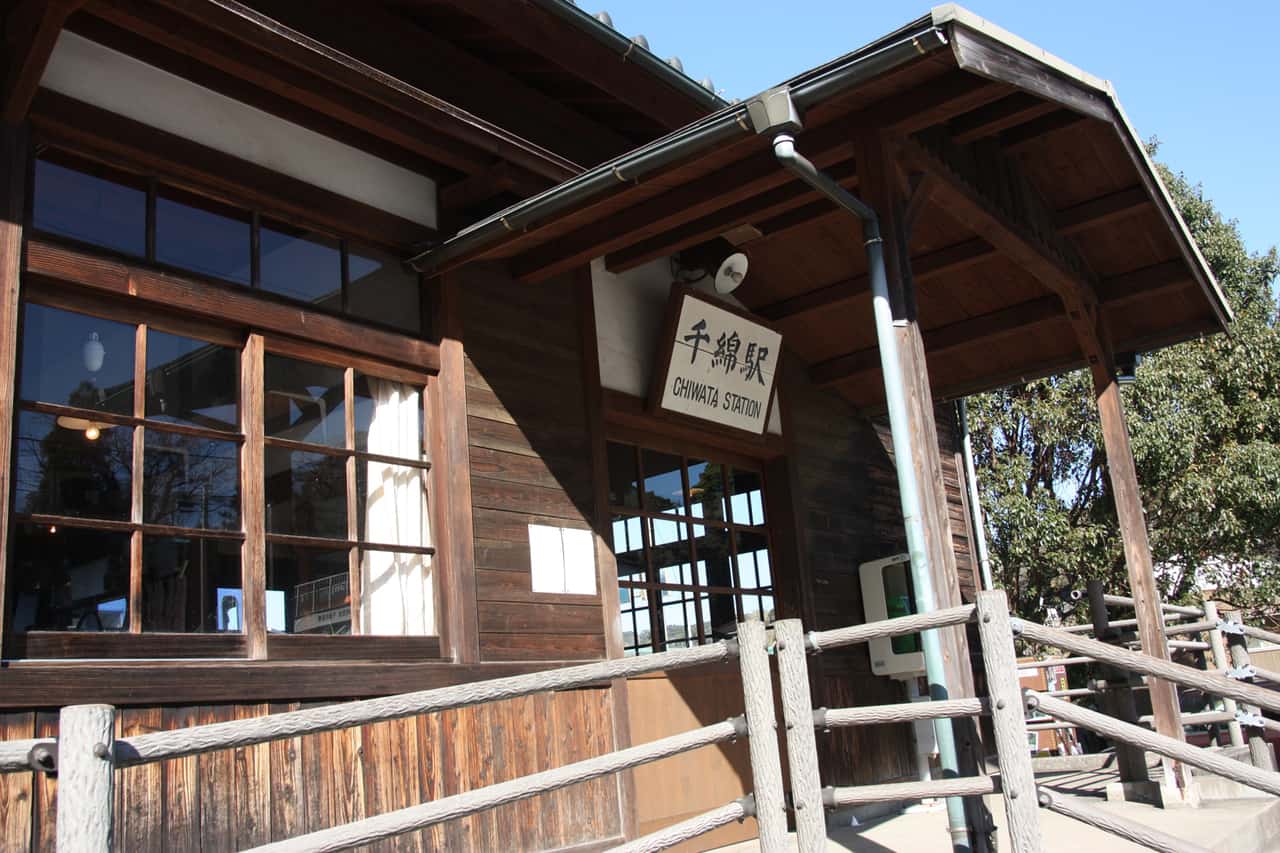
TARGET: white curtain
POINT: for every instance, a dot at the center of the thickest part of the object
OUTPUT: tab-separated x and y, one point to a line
397	589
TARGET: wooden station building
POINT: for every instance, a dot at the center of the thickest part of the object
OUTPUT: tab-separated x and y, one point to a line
344	354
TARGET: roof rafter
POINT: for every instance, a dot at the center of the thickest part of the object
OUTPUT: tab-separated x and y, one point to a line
30	32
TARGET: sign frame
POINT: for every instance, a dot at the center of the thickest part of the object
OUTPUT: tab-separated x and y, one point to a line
666	349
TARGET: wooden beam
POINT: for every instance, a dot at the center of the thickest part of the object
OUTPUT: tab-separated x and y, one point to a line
1034	132
1011	111
780	200
30	32
587	59
949	259
241	41
734	184
13	196
482	186
1114	292
935	102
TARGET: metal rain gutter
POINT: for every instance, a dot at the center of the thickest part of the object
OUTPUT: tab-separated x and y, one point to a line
630	51
784	117
717	129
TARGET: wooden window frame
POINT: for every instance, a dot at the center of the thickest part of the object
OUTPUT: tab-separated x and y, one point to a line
639	442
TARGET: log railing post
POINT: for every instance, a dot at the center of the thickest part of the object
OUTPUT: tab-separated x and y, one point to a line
1259	752
86	737
802	750
762	736
1221	660
1017	778
1117	698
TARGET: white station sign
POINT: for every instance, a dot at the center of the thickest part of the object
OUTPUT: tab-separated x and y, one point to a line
722	367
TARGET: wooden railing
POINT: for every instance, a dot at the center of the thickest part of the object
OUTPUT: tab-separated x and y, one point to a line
86	754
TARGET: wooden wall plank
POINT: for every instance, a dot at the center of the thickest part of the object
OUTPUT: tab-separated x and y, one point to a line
515	586
251	786
139	795
289	785
547	726
516	617
16	789
546	647
216	769
181	787
431	770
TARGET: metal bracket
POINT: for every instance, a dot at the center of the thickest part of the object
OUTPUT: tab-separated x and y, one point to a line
1240	673
1236	628
1248	718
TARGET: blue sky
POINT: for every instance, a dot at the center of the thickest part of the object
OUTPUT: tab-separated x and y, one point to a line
1199	76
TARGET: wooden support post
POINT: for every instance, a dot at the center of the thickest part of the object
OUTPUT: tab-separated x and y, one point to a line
762	732
13	173
1221	660
880	187
86	737
1259	752
252	464
1117	699
1017	778
802	749
1133	532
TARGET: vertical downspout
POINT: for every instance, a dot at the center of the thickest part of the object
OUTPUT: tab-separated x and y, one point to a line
975	505
903	452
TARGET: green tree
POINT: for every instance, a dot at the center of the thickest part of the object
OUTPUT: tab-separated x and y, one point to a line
1204	420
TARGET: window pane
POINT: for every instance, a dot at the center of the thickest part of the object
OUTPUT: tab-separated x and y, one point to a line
191	381
753	560
388	417
714	569
380	289
747	501
308	590
89	203
61	470
66	579
190	482
397	594
392	504
304	401
628	548
624	478
191	585
663	483
706	490
76	360
202	236
301	265
306	493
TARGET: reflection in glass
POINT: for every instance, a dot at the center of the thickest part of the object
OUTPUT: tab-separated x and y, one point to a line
624	478
304	401
191	381
663	483
90	203
190	482
747	497
715	560
380	289
191	585
203	236
306	493
753	560
61	471
388	417
76	360
706	490
310	588
628	548
301	265
67	579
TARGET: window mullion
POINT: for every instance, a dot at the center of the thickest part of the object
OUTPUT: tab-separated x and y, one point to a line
353	525
253	503
137	486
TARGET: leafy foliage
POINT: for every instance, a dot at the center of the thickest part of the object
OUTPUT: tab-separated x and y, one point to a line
1204	421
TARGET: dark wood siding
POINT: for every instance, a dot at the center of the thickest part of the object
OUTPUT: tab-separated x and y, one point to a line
530	456
233	799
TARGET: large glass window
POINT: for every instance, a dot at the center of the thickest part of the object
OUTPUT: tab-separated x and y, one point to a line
128	511
692	548
348	549
77	199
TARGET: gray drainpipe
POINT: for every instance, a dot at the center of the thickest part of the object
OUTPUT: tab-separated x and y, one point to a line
903	451
975	505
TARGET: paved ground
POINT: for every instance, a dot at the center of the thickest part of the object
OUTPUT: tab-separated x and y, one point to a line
1236	826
